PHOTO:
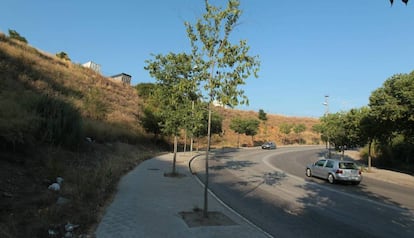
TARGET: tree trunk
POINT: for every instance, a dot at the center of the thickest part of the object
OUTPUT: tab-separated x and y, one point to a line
369	155
175	155
185	142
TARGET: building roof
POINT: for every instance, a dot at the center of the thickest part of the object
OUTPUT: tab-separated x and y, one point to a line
117	75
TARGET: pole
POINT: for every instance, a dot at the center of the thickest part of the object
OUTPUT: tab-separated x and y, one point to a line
326	114
205	210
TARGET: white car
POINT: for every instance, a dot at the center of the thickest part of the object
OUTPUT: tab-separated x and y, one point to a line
335	170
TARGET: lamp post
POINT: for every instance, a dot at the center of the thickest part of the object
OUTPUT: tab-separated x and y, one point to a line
326	104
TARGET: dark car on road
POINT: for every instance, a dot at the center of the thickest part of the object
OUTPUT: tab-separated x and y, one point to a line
269	145
335	170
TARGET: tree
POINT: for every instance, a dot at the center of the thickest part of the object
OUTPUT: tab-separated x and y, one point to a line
263	117
174	92
145	90
285	128
223	66
369	131
298	129
251	128
236	124
151	121
15	35
200	126
392	108
63	55
393	105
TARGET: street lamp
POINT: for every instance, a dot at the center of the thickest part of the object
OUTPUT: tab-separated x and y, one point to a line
326	104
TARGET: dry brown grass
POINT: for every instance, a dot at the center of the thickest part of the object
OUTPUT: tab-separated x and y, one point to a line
267	132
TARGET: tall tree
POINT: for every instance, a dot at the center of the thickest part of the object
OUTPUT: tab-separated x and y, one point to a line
236	124
151	121
285	128
223	65
174	92
298	129
393	105
392	108
251	128
263	117
369	131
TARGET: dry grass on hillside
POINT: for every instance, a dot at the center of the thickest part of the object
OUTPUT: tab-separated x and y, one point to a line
268	131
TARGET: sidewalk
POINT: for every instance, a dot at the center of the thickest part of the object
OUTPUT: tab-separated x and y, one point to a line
148	204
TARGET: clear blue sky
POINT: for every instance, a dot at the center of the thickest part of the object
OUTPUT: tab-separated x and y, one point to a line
308	49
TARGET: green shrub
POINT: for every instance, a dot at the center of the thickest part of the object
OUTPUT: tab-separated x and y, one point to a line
15	35
18	122
61	124
94	106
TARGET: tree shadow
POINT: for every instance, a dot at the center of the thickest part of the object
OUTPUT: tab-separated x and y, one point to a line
356	206
233	165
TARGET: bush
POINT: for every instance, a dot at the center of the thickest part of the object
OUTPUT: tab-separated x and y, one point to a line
61	124
15	35
94	106
17	121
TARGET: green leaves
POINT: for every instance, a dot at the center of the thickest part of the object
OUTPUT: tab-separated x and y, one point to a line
15	35
392	105
175	91
224	65
248	127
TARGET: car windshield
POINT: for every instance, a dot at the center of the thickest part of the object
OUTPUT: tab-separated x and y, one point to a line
347	165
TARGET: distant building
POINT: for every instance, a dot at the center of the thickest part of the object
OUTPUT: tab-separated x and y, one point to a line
92	65
219	104
122	77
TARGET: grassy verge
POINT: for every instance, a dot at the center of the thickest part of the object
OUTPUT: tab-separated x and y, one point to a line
29	209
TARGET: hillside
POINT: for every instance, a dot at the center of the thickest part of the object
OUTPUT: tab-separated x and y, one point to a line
48	106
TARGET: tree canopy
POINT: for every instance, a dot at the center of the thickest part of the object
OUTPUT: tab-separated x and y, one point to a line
223	65
392	105
262	115
15	35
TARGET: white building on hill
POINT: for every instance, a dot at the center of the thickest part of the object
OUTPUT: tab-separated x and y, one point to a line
92	65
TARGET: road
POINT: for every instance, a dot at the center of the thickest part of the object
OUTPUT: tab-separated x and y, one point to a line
269	188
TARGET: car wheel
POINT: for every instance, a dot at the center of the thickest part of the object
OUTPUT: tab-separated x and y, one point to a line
331	179
308	172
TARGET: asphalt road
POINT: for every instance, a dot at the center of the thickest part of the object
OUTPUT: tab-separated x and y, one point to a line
269	188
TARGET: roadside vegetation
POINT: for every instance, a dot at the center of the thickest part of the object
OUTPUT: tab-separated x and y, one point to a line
385	127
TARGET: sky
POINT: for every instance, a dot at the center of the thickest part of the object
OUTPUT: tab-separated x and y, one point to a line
308	49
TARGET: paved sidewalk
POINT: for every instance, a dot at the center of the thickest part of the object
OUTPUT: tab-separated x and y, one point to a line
148	204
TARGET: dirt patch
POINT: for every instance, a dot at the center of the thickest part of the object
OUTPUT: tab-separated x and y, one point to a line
197	219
